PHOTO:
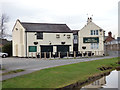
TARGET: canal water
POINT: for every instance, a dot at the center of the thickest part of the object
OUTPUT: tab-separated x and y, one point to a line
110	81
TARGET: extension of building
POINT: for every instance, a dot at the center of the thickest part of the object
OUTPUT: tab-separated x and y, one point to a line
29	38
41	37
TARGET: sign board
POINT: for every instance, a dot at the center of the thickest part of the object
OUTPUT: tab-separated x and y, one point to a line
91	40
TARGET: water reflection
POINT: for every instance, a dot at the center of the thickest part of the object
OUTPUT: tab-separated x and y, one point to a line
110	81
97	84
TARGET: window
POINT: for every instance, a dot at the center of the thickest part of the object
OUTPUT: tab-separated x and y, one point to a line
39	35
94	45
75	36
97	45
57	36
32	48
91	32
94	32
68	36
91	45
16	28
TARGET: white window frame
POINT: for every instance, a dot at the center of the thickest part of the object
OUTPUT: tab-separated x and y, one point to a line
94	32
94	45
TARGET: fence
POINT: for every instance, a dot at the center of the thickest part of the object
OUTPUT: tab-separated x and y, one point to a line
65	54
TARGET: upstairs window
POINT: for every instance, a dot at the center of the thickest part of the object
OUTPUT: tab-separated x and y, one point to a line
68	36
91	32
94	32
75	36
57	36
39	35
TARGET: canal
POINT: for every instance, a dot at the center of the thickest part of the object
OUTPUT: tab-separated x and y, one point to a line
110	81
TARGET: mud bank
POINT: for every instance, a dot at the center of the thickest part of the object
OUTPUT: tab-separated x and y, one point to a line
118	68
79	84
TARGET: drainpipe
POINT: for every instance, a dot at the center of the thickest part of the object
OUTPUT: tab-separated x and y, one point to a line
26	43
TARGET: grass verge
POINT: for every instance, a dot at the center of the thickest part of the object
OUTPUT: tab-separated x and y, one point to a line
60	76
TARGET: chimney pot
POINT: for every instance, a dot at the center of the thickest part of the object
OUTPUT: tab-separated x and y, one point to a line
89	19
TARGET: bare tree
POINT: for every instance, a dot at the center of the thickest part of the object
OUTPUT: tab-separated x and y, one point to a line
3	20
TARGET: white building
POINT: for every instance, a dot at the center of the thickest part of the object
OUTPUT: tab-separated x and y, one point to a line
91	38
29	38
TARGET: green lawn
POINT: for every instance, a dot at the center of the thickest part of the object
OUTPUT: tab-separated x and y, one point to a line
59	76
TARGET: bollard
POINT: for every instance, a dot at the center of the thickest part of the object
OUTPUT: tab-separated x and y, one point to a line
40	55
91	53
32	55
50	55
36	54
67	54
44	55
98	53
28	54
95	53
82	53
74	54
102	53
59	54
87	54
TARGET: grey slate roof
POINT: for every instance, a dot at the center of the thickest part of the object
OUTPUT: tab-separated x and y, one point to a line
46	27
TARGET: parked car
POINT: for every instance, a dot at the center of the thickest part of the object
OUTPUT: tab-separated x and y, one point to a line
3	55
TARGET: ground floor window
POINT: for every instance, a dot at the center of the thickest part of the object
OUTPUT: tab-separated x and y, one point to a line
94	45
32	48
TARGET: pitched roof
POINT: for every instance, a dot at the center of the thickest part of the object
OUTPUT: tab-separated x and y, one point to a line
75	32
109	39
46	27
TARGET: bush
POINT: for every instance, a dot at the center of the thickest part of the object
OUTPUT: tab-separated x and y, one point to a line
7	49
0	49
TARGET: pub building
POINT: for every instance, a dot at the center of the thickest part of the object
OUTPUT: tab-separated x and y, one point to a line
91	39
30	39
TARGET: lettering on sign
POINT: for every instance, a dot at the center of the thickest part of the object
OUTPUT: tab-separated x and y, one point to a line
91	40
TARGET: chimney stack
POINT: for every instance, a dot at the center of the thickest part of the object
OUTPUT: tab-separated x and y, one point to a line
89	20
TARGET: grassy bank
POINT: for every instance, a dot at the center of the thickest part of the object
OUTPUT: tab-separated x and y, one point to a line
59	76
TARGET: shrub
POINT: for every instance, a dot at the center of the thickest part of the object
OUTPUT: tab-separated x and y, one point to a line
7	49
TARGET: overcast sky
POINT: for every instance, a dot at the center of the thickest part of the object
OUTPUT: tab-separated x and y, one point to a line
71	12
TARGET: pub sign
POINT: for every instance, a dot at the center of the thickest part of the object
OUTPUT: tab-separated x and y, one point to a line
91	40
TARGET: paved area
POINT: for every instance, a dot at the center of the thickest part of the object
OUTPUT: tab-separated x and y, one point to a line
34	64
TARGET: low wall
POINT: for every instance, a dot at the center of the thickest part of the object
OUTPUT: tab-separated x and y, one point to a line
113	53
